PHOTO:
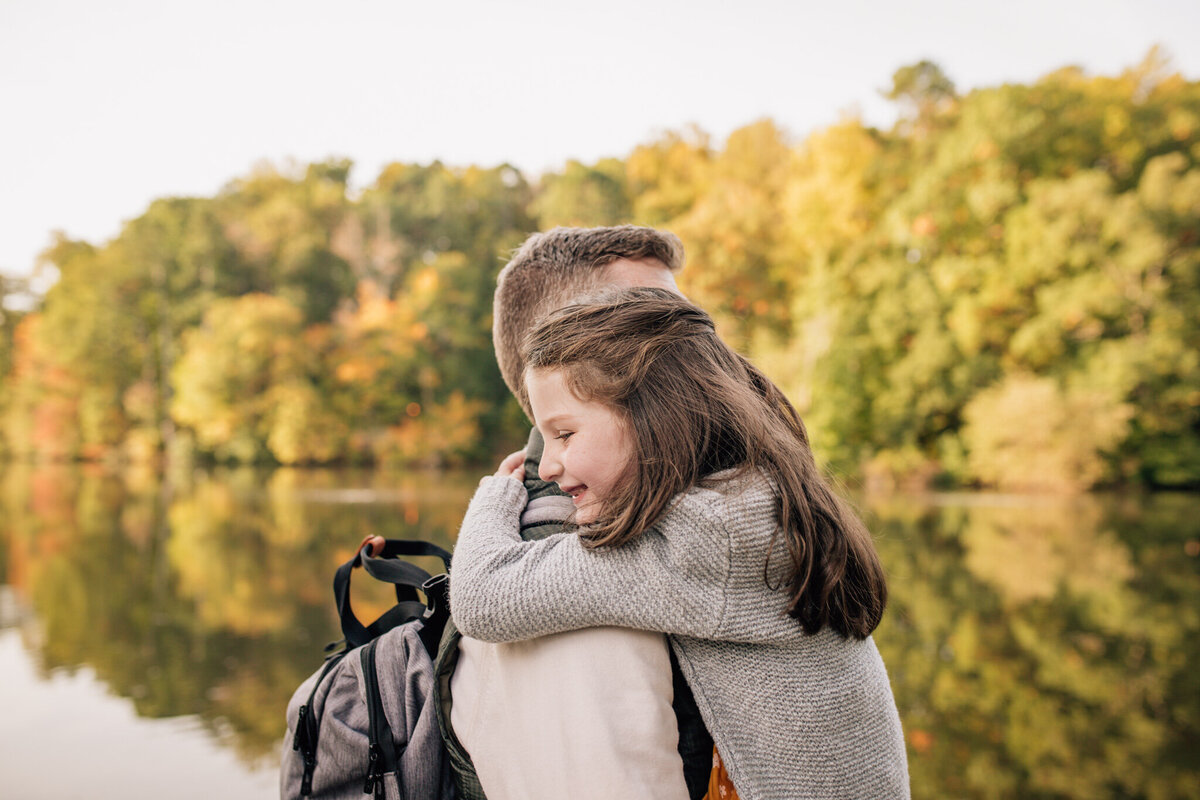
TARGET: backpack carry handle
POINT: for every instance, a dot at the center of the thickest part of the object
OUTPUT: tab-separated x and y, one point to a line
405	576
388	568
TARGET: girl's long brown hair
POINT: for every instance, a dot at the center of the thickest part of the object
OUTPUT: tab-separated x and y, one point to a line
695	407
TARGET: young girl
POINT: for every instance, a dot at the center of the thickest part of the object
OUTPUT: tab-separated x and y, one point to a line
702	516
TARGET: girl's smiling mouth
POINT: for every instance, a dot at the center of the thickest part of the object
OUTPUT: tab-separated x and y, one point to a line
575	491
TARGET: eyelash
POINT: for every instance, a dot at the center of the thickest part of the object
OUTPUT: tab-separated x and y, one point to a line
565	435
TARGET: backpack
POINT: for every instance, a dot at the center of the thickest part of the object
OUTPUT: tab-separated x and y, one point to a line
364	723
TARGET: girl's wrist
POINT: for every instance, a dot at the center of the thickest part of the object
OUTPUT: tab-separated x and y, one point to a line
505	488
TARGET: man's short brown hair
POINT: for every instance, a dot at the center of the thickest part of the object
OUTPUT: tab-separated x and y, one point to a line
550	268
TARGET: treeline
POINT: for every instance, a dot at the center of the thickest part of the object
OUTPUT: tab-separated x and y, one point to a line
1000	290
281	320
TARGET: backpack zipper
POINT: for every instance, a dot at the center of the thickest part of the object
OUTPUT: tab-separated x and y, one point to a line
381	753
308	728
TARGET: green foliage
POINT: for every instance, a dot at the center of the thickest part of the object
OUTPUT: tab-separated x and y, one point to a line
1040	233
1022	251
923	90
582	196
282	226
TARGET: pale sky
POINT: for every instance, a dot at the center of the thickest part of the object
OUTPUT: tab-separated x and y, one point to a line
105	106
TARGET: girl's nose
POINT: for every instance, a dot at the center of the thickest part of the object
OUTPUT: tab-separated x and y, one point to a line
549	469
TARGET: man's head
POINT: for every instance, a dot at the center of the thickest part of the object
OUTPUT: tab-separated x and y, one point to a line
551	268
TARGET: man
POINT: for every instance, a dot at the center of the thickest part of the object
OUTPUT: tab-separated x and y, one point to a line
595	713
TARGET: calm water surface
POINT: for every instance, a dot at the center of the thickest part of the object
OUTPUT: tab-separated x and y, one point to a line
151	631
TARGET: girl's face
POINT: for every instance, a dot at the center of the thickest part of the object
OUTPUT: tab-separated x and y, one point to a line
588	448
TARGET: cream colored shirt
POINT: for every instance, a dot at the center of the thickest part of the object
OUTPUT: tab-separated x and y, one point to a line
583	714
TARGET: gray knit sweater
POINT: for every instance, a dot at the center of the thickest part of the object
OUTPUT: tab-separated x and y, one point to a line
793	715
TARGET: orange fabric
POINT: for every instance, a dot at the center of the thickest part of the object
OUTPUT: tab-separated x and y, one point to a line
719	785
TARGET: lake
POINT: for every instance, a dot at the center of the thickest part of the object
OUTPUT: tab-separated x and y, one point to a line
152	631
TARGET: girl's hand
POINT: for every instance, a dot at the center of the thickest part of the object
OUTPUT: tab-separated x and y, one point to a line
513	466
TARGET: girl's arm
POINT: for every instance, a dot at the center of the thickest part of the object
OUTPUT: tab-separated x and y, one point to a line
503	589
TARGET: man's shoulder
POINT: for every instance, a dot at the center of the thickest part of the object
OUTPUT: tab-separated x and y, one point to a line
729	491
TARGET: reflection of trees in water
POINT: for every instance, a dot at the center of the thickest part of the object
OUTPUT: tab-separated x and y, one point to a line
1036	552
1044	648
211	598
1037	648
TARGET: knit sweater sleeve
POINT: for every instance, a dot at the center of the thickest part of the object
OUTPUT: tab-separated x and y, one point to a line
672	578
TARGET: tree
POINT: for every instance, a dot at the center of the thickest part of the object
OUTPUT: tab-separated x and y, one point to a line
583	196
733	231
666	176
923	90
234	372
281	224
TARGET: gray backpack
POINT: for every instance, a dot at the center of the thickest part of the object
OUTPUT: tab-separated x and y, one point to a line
365	722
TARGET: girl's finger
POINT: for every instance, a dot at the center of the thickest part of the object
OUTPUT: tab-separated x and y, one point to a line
513	465
376	542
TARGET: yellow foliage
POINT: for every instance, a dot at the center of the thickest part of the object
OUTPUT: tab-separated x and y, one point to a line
375	310
432	434
1027	433
827	200
303	428
357	370
426	281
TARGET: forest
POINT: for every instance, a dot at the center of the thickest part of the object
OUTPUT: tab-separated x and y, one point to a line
999	291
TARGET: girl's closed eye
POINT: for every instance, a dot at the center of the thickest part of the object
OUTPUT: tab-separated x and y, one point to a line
564	435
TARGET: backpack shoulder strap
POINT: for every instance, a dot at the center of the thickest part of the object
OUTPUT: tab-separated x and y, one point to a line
461	766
